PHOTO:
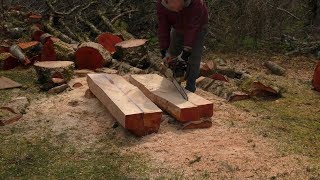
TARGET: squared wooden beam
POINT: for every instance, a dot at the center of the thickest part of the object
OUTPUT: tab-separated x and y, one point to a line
130	107
163	93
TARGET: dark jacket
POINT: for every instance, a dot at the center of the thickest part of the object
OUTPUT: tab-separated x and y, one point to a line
189	21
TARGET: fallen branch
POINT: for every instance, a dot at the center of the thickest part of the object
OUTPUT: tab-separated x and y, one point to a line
57	33
51	7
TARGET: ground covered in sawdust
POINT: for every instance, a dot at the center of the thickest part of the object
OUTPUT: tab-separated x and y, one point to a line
86	133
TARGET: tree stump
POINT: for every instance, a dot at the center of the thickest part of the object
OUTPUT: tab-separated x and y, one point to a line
92	55
316	78
57	50
49	71
108	41
134	52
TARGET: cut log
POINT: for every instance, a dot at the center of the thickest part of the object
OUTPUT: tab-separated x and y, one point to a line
275	68
58	89
7	61
92	55
108	41
28	45
6	83
134	52
124	68
83	72
219	77
47	70
18	53
222	89
57	50
316	78
206	68
129	106
163	93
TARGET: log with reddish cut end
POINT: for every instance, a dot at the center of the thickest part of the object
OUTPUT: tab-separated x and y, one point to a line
48	53
316	78
92	56
108	41
36	32
28	45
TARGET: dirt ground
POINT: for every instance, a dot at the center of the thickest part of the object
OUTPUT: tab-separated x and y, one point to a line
227	150
231	149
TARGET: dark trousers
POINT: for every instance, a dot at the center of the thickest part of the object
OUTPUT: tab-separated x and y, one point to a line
176	47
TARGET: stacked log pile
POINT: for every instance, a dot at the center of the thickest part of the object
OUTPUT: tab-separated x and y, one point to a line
235	85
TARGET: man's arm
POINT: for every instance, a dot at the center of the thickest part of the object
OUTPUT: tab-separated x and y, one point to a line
163	28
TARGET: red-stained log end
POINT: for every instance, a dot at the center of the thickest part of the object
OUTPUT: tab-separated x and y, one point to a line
48	53
108	41
316	78
89	58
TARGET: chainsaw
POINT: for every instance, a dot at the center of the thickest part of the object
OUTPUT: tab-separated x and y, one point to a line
175	72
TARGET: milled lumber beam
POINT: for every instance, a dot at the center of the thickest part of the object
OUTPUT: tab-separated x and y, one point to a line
128	105
163	93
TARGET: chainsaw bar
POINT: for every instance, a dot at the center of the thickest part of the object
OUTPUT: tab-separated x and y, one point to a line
180	89
169	74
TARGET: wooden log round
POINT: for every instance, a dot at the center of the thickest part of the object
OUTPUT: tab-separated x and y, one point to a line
134	52
47	71
92	55
316	78
108	41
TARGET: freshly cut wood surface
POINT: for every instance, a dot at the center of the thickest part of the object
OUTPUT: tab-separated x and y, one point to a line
92	55
49	71
131	43
6	83
134	52
163	93
152	114
126	103
108	41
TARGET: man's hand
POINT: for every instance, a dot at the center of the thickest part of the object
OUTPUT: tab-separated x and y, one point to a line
168	59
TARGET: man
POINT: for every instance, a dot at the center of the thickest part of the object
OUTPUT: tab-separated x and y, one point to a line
182	26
